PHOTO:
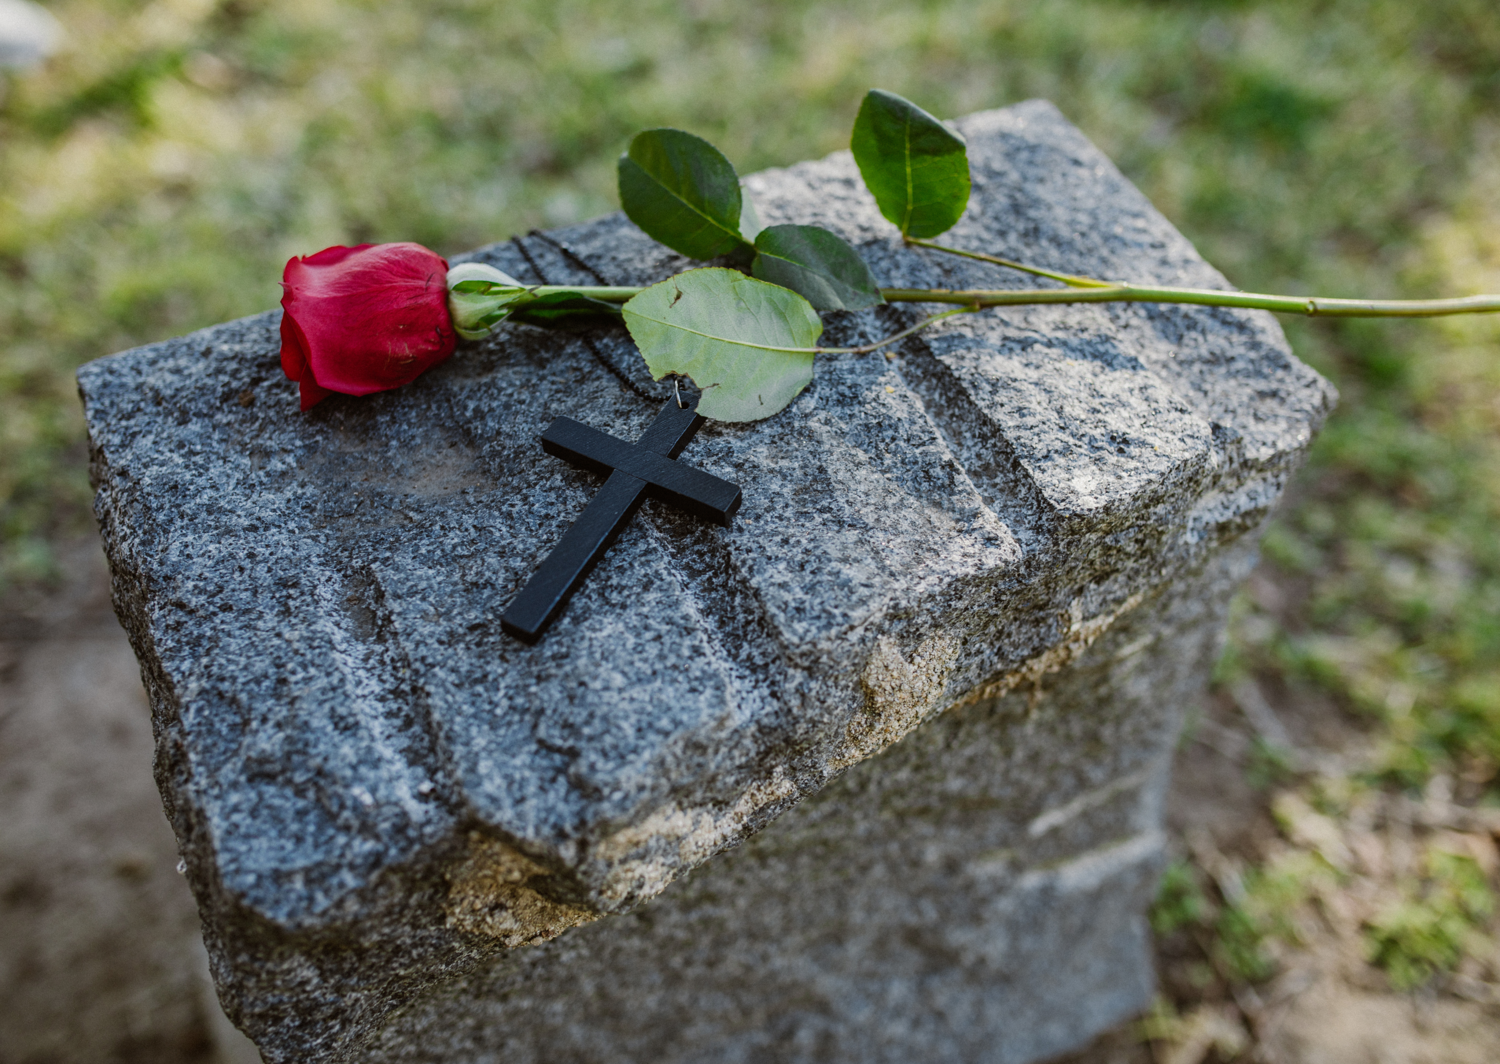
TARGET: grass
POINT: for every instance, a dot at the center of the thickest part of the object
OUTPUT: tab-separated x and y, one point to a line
1432	927
156	175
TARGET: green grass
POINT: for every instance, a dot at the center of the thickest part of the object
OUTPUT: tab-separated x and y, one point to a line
156	176
1241	931
1438	921
1180	902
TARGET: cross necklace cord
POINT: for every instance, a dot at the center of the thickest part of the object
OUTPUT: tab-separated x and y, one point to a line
634	471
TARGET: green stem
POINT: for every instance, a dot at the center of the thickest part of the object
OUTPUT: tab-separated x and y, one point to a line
1106	292
902	335
603	294
1070	279
1319	306
1124	292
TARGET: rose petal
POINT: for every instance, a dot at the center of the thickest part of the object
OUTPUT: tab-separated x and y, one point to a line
293	349
311	393
366	319
334	255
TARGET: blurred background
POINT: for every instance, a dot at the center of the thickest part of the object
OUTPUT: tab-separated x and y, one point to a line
1338	798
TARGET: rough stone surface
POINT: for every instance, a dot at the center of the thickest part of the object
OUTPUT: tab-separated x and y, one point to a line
925	688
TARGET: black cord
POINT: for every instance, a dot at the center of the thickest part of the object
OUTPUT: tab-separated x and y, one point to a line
571	255
588	341
541	277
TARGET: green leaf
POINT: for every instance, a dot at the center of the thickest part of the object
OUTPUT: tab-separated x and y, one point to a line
682	192
915	166
817	265
745	343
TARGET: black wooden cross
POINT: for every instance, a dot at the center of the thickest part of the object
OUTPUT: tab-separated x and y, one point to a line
634	471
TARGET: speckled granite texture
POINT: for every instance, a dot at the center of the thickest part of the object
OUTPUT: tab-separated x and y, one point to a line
924	689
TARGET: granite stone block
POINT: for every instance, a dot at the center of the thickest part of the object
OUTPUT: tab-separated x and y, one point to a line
873	774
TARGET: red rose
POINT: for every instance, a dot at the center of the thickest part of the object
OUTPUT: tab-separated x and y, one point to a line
365	319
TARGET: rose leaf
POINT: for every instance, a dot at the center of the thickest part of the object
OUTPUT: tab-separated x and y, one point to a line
683	193
915	166
745	343
816	264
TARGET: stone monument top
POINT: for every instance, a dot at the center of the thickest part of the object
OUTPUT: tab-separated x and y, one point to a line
353	753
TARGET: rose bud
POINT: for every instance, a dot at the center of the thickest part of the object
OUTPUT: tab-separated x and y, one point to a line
363	319
481	297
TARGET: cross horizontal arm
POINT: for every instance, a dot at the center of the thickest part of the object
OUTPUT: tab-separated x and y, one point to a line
676	483
633	471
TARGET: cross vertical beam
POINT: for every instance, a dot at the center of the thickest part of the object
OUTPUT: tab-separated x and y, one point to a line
634	471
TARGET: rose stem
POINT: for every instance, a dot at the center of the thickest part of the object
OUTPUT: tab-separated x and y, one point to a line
1120	292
